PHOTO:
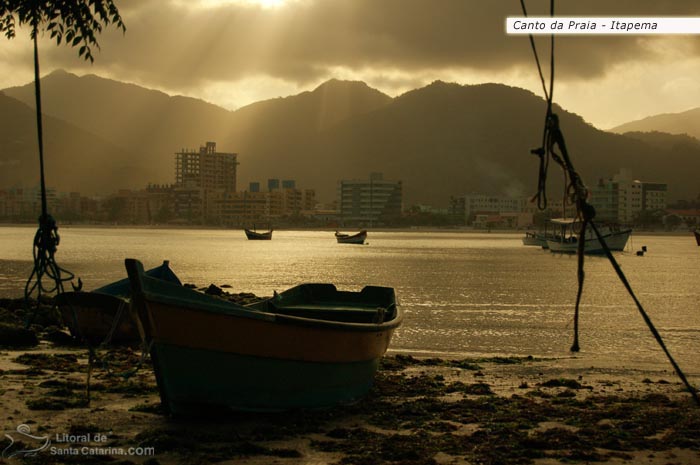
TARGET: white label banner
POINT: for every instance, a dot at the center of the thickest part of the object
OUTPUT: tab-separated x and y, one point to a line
602	25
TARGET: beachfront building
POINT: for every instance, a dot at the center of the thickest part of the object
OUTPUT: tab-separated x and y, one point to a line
466	208
249	207
622	199
369	201
24	204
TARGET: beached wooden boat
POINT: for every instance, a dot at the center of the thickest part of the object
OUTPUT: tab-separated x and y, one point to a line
258	236
310	346
102	315
358	238
567	238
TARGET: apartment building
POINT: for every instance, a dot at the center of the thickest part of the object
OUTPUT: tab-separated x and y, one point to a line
369	201
621	198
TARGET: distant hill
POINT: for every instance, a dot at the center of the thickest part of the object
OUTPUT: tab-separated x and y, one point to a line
441	140
75	160
149	124
447	139
687	122
152	125
278	137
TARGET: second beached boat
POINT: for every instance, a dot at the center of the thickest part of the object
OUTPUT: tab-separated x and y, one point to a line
102	315
310	346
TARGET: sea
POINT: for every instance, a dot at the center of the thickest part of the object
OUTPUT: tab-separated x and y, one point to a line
463	293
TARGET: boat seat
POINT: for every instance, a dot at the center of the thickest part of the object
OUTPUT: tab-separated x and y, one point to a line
342	313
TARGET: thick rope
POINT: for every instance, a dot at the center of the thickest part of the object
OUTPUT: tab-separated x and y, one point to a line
553	139
46	239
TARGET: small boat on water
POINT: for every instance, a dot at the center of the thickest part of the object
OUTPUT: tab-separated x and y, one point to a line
310	346
358	238
103	315
566	239
253	235
536	238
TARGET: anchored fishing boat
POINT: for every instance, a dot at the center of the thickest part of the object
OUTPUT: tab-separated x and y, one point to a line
102	315
537	238
533	238
566	239
253	235
310	346
358	238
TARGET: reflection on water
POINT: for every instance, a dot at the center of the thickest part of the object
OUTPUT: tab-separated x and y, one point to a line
463	293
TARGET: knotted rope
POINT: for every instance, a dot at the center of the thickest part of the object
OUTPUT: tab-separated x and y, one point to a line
554	148
46	239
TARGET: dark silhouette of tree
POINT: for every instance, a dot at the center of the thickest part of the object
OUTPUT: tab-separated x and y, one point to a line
77	22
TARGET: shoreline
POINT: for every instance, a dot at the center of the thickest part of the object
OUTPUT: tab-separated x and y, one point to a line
402	229
422	410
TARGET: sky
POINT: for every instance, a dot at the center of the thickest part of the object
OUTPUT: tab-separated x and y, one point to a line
235	52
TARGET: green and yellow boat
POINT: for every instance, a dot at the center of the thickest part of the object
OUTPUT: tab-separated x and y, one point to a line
311	346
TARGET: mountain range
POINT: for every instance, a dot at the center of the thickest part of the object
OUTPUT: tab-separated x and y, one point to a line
686	122
440	140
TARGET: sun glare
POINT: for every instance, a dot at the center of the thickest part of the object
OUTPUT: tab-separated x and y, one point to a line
260	3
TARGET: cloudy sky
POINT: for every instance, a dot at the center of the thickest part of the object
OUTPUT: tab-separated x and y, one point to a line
235	52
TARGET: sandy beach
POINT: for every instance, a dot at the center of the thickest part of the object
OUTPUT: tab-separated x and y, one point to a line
421	411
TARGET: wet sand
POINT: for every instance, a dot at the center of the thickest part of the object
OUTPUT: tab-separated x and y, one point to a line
420	411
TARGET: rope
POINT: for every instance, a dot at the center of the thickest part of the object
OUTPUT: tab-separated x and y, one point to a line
115	324
46	239
93	354
553	140
645	316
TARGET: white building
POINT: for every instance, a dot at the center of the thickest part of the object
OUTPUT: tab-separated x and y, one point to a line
469	205
622	198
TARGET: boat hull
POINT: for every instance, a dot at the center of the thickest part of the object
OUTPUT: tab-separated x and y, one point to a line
244	358
616	241
256	236
231	381
358	238
103	315
533	239
97	317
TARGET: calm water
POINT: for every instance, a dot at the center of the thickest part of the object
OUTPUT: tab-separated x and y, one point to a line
462	293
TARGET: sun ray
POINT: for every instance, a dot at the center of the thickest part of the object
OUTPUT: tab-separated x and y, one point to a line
259	3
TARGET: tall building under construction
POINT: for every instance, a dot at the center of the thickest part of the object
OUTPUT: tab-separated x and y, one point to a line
206	168
201	178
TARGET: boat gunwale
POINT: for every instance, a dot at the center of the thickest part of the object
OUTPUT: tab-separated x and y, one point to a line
230	309
571	247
